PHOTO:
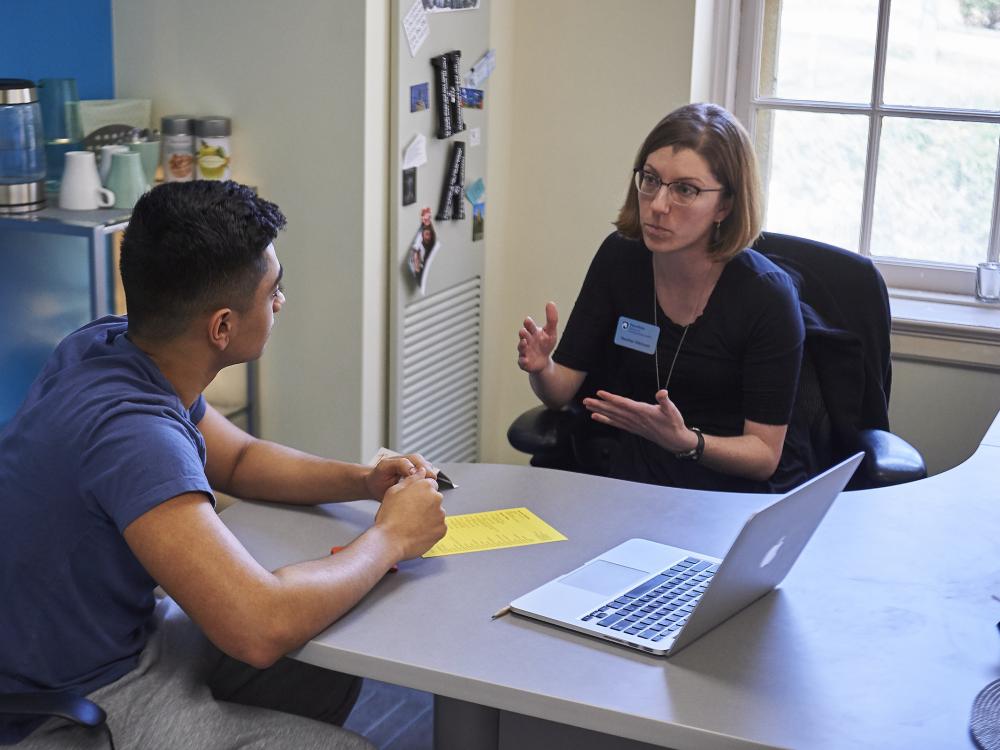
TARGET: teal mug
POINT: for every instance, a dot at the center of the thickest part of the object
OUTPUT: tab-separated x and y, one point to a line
126	179
149	153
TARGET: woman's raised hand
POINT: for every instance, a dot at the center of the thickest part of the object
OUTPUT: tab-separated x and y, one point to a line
535	345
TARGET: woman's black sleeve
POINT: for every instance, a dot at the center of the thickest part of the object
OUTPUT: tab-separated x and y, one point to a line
590	326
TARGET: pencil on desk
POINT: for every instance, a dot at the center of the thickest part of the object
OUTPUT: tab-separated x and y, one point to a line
501	612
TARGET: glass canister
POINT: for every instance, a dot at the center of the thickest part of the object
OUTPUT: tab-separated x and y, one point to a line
22	147
177	135
212	150
63	132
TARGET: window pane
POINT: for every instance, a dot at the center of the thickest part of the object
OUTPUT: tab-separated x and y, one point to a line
814	174
822	50
944	53
934	192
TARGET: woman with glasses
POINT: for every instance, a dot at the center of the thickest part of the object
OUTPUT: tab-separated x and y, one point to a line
697	338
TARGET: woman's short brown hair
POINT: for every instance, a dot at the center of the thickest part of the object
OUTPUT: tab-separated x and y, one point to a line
715	135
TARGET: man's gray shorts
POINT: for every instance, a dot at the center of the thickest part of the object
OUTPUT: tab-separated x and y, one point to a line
185	693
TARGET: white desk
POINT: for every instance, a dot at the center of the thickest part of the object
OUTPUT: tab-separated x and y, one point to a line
880	637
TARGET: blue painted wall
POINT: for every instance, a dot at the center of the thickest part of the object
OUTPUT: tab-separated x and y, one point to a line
47	39
59	39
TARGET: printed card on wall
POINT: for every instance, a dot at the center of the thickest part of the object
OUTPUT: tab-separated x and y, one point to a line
444	6
478	221
476	192
420	97
481	69
415	153
409	186
422	250
472	98
415	27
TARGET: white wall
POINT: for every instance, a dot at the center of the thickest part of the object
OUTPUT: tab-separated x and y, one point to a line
305	83
578	85
943	408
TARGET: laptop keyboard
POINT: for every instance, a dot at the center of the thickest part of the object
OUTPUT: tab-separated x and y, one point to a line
658	608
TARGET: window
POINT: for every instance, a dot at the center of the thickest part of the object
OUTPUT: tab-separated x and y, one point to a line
877	125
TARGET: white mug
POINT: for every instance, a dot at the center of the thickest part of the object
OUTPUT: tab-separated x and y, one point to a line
104	162
81	189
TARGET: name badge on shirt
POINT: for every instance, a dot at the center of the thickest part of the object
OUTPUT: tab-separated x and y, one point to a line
634	334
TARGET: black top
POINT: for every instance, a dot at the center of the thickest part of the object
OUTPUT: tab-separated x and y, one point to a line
739	360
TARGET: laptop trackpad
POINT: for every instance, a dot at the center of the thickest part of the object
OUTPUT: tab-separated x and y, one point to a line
603	577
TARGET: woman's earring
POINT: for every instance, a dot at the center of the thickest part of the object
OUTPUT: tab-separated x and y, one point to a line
717	232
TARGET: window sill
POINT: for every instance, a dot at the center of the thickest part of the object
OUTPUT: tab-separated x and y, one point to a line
945	328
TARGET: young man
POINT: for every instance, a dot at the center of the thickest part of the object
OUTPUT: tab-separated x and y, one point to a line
106	480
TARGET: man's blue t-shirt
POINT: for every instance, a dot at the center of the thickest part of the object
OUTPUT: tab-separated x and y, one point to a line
100	439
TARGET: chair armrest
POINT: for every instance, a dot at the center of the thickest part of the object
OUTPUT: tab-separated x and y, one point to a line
889	459
62	704
541	430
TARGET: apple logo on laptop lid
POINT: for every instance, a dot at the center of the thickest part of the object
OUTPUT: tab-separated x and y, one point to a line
772	553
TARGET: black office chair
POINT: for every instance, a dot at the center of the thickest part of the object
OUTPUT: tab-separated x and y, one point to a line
843	397
69	706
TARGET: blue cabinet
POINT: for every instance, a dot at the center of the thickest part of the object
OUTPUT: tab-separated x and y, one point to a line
56	277
56	274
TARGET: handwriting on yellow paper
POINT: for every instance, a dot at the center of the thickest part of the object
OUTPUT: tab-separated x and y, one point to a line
493	529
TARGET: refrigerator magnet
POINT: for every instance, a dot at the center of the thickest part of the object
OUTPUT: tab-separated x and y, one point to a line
422	250
472	98
478	221
409	186
420	98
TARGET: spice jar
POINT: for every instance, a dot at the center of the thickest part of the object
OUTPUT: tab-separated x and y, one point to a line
177	134
212	150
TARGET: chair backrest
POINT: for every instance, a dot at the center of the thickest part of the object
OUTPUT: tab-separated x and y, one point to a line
845	305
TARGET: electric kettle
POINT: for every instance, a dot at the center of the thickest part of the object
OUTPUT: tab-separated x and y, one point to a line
22	151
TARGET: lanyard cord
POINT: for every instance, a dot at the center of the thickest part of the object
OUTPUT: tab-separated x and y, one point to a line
656	351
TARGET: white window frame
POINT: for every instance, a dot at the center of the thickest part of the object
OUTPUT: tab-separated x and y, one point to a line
899	274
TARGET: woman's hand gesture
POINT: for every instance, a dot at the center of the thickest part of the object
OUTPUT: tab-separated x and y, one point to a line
535	345
660	423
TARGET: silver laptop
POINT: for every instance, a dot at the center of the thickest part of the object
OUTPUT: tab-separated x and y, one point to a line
659	598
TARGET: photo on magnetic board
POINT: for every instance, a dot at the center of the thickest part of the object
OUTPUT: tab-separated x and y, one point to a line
478	221
420	97
422	250
444	6
409	186
472	98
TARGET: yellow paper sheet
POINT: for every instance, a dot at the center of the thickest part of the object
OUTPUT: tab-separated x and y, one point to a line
493	529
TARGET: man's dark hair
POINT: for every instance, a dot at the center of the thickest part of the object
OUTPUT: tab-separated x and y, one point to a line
193	247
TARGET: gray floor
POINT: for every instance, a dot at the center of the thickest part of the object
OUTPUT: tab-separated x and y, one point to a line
393	717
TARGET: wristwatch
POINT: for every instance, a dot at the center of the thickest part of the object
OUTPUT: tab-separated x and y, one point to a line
695	453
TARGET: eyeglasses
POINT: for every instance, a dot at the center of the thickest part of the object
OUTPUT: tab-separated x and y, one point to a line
681	193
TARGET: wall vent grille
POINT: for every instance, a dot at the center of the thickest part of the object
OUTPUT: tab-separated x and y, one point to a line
439	392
